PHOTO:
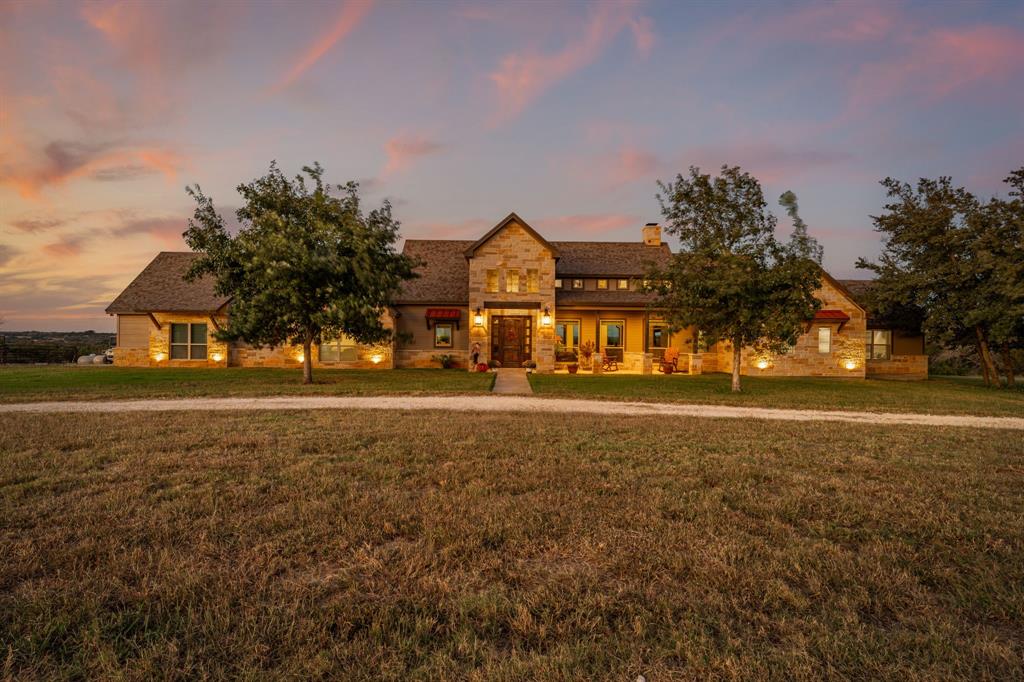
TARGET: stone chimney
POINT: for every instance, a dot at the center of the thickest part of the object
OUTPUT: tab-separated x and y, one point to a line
652	234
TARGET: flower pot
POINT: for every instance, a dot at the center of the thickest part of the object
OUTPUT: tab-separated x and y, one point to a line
573	369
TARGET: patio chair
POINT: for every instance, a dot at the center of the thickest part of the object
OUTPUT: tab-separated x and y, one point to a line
670	361
609	363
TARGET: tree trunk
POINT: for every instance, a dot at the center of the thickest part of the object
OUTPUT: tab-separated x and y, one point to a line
737	350
1011	371
307	361
987	363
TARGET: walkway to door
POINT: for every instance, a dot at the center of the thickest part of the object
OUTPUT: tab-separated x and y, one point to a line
512	382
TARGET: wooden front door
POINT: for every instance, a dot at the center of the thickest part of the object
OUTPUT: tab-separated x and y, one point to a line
510	340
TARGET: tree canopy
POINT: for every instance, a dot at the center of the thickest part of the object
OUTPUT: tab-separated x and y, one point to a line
305	266
732	278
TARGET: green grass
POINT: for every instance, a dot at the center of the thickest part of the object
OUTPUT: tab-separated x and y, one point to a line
357	545
945	395
19	384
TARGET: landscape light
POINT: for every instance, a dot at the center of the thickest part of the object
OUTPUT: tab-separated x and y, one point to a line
216	357
478	318
545	319
159	357
300	357
851	364
376	358
762	364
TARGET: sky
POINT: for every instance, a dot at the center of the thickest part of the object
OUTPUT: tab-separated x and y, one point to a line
458	113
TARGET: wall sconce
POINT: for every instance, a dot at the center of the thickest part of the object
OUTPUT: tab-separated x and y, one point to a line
216	357
376	358
478	318
545	319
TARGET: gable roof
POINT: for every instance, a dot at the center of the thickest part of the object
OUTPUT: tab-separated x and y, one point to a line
609	259
161	287
510	218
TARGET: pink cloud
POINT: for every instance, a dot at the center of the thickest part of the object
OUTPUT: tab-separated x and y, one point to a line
405	149
67	246
524	76
352	14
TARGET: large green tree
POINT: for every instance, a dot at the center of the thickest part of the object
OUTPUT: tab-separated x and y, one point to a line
305	266
958	260
732	278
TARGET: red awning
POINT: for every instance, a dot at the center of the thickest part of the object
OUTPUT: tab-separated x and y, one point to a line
831	316
443	313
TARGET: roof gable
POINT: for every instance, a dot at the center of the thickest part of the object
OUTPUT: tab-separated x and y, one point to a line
511	218
162	287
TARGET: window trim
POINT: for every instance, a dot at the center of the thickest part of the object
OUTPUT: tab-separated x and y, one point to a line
601	334
622	284
828	339
508	281
487	281
869	350
532	287
189	344
602	283
451	334
650	335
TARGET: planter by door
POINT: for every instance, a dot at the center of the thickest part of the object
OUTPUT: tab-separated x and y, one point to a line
511	339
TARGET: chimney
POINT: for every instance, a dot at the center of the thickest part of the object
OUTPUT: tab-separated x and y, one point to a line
652	234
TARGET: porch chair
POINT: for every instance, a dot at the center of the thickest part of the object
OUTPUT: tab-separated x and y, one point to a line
670	361
609	363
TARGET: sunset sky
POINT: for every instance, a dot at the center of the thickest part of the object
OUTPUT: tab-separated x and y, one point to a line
462	112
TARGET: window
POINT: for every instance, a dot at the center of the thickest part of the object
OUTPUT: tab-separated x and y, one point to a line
658	338
602	284
613	335
824	339
512	281
492	281
188	341
558	284
342	349
442	335
577	284
567	340
622	284
532	281
879	344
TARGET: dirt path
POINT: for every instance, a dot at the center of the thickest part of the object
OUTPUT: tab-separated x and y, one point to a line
497	403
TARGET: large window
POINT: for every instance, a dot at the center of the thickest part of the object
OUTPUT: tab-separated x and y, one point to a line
613	338
567	340
532	281
492	281
824	339
341	349
879	344
658	338
188	341
512	281
442	335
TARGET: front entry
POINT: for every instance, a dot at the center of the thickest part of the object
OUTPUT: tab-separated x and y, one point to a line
511	339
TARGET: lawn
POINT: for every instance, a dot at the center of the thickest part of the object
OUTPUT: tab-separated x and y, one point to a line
18	384
356	545
943	395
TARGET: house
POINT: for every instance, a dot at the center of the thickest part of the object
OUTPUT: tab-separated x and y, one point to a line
512	297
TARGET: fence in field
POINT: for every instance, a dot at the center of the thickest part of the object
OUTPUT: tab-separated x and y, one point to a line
46	353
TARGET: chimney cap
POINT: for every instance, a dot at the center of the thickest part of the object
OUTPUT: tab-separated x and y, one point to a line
651	225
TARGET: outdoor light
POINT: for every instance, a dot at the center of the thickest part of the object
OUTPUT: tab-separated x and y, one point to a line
216	357
376	358
300	357
545	319
159	357
851	364
478	318
762	364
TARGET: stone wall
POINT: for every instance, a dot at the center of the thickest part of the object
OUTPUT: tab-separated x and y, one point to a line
427	358
910	367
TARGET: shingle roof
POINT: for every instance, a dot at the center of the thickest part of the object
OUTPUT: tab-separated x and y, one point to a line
609	259
858	289
161	287
444	274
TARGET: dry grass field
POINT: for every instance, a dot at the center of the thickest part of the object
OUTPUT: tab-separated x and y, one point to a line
358	545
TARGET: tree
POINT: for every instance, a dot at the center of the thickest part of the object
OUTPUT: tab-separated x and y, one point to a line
305	266
732	279
957	260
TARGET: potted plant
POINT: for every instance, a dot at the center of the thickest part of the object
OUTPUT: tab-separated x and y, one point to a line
482	367
530	366
587	354
572	367
447	361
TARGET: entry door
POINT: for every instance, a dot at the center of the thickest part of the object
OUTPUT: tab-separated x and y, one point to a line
511	340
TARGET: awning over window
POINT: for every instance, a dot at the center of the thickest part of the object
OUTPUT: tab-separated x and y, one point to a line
443	315
831	316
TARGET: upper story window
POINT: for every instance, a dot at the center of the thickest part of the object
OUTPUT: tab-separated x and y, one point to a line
622	284
602	284
188	341
492	281
879	344
824	339
558	284
532	281
577	284
512	281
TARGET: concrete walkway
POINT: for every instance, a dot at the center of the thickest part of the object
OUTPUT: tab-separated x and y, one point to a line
513	403
512	382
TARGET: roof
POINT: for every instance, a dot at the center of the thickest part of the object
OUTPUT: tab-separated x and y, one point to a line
161	287
857	288
443	272
510	218
831	316
609	259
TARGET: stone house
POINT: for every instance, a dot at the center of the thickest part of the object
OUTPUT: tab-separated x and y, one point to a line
511	298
